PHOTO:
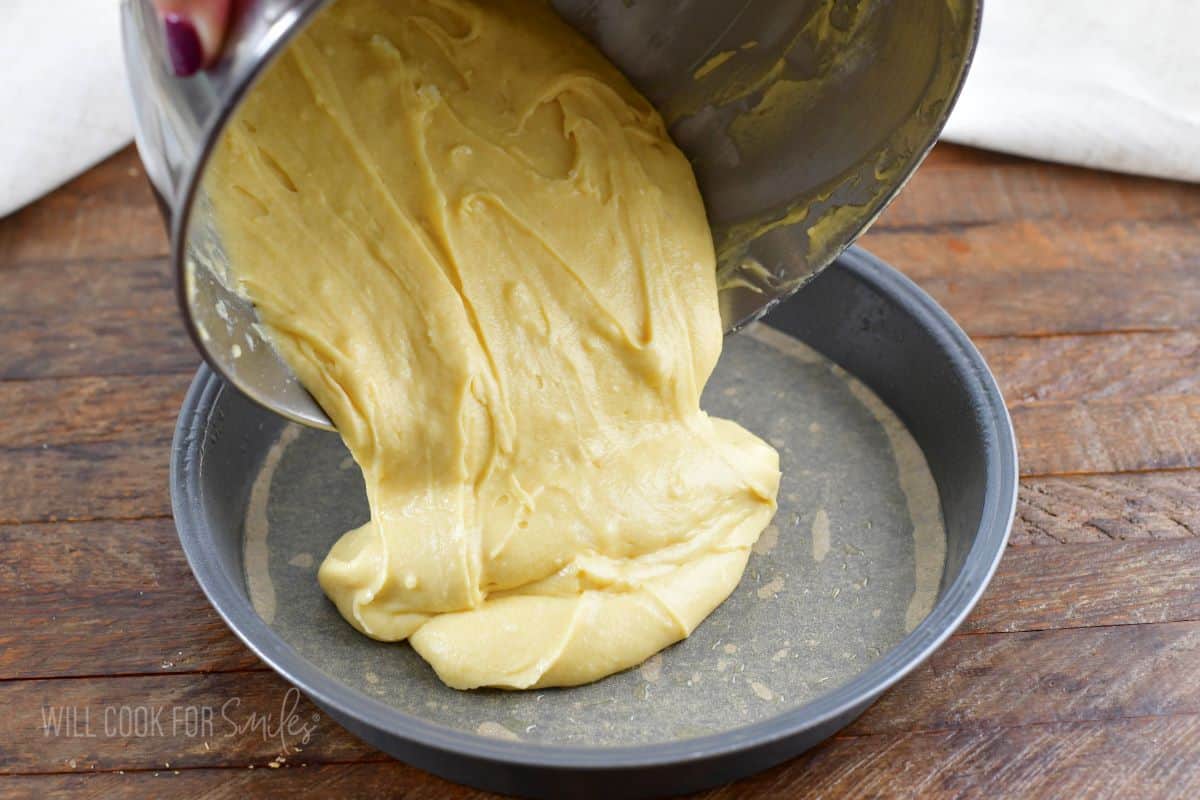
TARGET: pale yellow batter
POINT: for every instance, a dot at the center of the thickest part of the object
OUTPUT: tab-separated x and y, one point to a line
478	248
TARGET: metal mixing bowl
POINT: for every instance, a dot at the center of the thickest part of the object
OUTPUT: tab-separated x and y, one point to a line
803	119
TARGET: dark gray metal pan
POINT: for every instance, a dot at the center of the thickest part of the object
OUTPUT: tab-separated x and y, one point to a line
626	736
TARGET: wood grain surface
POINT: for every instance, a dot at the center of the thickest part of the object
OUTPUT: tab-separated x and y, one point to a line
1078	675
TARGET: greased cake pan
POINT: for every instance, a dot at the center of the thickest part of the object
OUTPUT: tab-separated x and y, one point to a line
900	481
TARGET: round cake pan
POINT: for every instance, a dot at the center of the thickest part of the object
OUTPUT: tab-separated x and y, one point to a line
862	315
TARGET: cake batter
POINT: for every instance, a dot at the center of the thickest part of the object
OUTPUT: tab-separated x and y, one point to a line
479	250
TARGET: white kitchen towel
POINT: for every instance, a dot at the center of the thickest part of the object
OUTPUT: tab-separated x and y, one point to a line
1103	83
63	101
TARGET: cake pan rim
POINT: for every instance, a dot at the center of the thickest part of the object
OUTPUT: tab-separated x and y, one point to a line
845	701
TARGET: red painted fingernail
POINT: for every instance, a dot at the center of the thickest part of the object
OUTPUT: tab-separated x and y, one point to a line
183	45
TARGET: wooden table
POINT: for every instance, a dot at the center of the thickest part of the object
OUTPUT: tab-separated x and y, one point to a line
1079	673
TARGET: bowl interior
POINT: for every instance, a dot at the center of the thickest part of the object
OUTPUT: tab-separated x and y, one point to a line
802	119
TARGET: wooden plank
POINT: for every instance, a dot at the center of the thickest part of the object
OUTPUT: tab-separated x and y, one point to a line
95	578
80	466
77	410
958	187
1157	757
57	287
91	318
107	212
125	321
103	480
1000	277
99	579
90	559
1012	679
950	155
222	719
99	318
1127	401
1096	508
1144	381
294	778
1102	436
1013	248
1120	402
106	598
89	448
90	338
1119	366
44	483
978	681
94	341
1053	439
131	632
1055	276
1094	584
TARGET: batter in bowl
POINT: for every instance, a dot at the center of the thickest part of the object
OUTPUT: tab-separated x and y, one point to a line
478	248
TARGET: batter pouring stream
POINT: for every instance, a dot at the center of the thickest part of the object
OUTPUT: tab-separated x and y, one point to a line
478	248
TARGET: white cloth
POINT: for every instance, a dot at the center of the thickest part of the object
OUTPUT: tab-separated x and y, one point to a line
1103	83
64	104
